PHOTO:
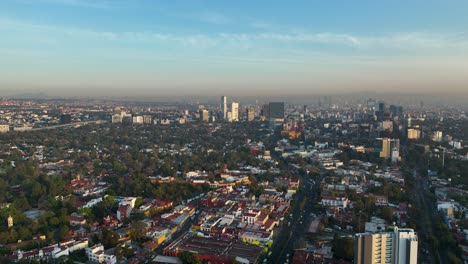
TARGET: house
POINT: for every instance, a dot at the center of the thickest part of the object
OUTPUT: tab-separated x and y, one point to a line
331	201
76	220
252	236
123	212
96	253
251	216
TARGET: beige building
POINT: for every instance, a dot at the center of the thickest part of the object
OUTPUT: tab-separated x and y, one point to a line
204	115
388	146
414	133
235	111
397	247
250	114
4	128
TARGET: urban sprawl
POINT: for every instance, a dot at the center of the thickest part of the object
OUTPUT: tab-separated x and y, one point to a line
137	182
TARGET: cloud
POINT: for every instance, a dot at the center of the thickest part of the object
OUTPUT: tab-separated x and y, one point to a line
212	18
417	42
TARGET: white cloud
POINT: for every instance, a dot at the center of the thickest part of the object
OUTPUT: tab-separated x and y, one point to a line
417	42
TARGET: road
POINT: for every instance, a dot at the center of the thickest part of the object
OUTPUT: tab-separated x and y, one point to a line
428	216
97	122
292	234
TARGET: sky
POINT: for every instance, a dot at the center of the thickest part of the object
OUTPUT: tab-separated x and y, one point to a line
194	47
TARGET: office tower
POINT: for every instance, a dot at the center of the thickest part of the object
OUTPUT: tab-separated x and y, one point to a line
276	110
414	133
147	119
385	153
138	120
381	107
250	114
235	111
116	119
266	111
387	125
395	155
437	136
224	106
397	247
204	115
388	145
10	221
229	116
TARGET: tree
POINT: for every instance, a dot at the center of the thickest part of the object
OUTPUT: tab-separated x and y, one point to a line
387	214
138	231
189	258
109	239
343	247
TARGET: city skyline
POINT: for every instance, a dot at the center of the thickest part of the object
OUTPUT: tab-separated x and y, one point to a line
140	48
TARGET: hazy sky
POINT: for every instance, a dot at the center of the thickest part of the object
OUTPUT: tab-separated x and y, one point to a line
139	48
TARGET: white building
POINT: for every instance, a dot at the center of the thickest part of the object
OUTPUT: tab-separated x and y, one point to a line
138	120
10	221
332	201
235	111
116	119
97	254
437	136
397	247
224	106
395	155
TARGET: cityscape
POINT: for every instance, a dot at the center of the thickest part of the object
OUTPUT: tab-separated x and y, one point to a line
134	182
216	132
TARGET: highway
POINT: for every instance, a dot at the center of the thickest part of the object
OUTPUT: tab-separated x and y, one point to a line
97	122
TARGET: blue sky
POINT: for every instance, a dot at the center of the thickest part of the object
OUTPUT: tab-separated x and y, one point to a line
76	47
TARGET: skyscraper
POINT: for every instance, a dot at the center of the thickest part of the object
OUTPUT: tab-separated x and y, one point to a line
235	111
397	247
250	114
389	145
224	106
276	110
204	115
266	111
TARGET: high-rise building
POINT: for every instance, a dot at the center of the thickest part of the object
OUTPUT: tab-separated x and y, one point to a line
204	115
10	221
4	128
138	120
395	155
266	111
388	145
381	107
147	119
116	119
250	114
437	136
276	110
235	111
387	125
397	247
224	106
414	133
